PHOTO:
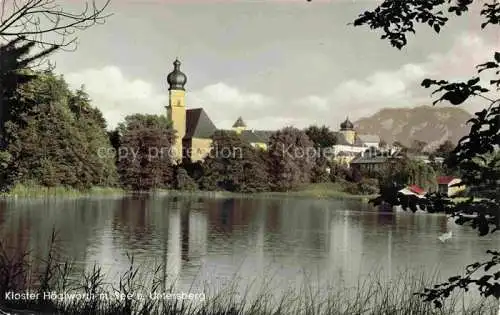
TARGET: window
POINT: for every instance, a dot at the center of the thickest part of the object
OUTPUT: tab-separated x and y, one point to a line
443	189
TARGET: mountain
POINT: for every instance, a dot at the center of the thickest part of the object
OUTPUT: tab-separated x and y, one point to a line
431	124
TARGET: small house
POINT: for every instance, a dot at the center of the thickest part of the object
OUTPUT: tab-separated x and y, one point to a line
449	185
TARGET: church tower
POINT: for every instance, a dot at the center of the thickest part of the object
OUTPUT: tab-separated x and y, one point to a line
347	129
239	125
176	109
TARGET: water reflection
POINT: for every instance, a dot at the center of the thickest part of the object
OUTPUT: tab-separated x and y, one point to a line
211	241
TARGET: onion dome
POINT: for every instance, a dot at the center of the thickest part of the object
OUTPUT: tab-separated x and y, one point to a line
347	125
176	79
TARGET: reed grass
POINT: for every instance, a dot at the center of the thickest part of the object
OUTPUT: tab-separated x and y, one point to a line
37	191
315	191
136	290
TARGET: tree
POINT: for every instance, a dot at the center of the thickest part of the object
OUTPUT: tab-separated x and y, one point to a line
15	63
14	72
319	173
291	156
145	155
475	153
46	22
90	121
417	146
444	149
49	144
183	181
233	165
323	139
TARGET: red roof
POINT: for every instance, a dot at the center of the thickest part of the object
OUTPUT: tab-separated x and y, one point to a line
445	180
416	189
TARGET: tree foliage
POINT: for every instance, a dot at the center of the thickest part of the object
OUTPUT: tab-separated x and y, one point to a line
417	146
323	139
50	144
233	165
15	62
44	140
145	154
183	181
290	159
476	154
398	18
444	149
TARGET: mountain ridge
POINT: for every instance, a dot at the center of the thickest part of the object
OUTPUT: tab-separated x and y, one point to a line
431	124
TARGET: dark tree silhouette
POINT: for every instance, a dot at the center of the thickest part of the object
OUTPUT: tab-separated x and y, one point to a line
444	149
46	22
417	146
477	153
15	63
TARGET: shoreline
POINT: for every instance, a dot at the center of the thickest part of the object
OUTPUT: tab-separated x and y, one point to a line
312	191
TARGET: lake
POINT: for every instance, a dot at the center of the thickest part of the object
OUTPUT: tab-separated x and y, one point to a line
213	242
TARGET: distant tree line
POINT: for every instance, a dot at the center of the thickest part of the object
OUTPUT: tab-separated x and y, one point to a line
52	136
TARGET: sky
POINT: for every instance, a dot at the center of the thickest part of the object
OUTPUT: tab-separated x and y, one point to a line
273	62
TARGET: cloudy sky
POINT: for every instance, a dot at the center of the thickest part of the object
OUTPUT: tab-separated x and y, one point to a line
274	62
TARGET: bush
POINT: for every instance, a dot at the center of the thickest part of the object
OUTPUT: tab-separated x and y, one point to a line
351	188
319	173
184	182
367	186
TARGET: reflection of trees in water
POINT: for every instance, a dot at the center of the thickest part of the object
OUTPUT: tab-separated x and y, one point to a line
14	241
29	226
228	215
132	219
3	211
185	209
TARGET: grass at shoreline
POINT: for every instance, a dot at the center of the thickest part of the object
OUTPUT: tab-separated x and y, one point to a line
323	191
36	191
372	295
320	191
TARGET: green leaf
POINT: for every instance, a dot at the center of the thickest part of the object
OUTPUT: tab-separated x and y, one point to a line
497	56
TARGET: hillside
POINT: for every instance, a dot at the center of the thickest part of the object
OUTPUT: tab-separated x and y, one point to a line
432	124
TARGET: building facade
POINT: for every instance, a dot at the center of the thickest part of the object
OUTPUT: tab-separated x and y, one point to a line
193	126
350	144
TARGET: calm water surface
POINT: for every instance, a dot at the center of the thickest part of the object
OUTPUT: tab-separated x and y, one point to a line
214	241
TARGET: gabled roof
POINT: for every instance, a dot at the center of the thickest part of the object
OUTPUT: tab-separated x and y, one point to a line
413	190
198	124
445	180
239	123
416	189
254	136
